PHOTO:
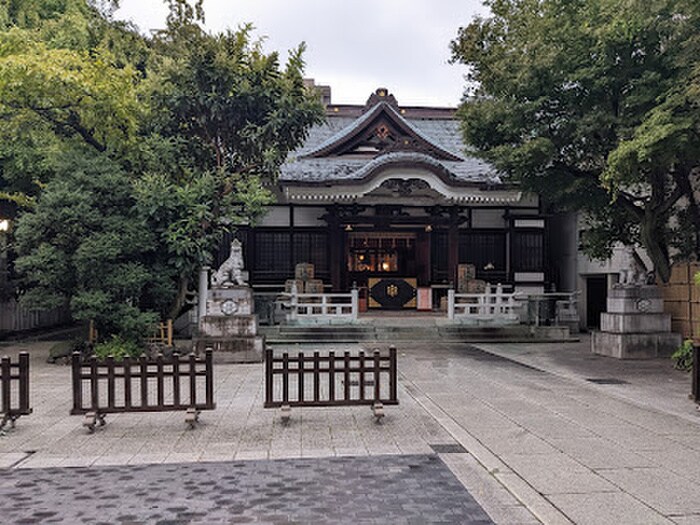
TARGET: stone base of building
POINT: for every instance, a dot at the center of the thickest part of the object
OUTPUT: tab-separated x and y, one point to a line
635	325
232	350
635	346
234	338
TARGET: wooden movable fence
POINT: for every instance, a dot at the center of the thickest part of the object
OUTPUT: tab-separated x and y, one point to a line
696	374
142	385
317	380
14	389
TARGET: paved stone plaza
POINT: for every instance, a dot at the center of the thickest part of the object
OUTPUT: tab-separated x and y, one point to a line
520	426
382	489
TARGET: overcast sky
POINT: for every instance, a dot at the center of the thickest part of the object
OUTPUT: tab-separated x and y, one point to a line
355	46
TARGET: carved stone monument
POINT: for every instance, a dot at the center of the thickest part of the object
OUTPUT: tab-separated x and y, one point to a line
230	325
635	325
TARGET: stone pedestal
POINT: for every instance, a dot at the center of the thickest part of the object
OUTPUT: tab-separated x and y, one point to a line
635	325
230	327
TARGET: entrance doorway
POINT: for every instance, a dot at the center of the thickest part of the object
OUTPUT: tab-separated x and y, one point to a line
596	299
384	267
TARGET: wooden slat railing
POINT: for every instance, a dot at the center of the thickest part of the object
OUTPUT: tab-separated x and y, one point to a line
160	385
317	380
14	389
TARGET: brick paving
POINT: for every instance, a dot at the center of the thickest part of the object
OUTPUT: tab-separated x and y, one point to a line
399	489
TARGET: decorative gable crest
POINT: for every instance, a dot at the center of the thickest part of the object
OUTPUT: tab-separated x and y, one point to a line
380	130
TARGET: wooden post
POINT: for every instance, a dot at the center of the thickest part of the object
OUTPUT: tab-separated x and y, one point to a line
144	381
269	367
209	363
127	382
285	378
377	364
5	374
94	386
300	380
696	374
193	380
317	378
331	376
362	375
24	382
393	377
176	380
92	332
160	385
110	382
170	332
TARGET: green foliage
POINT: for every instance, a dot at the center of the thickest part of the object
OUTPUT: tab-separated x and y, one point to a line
230	104
85	245
683	356
132	156
593	105
62	351
117	348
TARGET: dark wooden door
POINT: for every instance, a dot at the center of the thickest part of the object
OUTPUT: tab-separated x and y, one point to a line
596	299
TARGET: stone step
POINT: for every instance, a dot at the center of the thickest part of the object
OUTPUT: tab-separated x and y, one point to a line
354	333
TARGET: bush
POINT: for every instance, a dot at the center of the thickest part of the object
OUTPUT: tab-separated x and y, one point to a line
61	352
683	357
117	348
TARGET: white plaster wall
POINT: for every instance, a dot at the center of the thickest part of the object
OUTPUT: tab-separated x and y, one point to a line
528	200
277	216
564	250
488	219
307	217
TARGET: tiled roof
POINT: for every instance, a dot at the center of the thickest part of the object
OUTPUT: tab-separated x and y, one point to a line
444	133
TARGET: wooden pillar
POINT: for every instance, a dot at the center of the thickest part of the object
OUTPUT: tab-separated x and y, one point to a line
452	253
336	250
423	245
336	241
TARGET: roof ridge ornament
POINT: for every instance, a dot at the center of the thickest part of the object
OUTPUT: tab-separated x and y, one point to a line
381	95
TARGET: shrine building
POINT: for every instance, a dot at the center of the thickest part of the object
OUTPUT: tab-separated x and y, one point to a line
384	193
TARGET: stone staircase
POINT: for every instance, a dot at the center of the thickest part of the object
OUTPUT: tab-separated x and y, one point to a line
415	332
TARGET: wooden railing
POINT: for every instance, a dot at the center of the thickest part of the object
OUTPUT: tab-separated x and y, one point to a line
495	306
111	387
14	389
163	334
317	380
321	307
696	374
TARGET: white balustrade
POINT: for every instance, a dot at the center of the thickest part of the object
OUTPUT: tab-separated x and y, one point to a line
492	307
322	307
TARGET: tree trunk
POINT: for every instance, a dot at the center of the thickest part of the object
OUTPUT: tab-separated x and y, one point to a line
180	299
652	240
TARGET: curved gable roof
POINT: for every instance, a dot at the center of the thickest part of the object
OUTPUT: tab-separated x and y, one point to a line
342	141
337	152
